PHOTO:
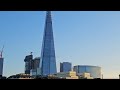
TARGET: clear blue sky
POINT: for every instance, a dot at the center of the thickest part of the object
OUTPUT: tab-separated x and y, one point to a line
81	37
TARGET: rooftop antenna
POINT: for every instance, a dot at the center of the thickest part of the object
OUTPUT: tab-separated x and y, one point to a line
1	52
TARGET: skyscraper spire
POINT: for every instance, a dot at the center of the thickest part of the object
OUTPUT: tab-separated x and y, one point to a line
48	59
48	16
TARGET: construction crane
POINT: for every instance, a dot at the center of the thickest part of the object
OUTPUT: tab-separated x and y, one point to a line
1	52
31	53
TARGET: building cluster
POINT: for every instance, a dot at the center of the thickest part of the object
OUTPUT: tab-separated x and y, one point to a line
44	67
31	63
67	71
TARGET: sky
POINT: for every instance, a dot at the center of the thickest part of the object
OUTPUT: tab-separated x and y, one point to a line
80	37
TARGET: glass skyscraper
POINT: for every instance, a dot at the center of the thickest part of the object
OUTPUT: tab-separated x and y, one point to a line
48	59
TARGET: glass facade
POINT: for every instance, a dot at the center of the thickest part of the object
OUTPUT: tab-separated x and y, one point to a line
94	71
1	66
48	59
65	67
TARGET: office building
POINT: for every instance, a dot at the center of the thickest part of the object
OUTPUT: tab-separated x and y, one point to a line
31	64
35	72
94	71
48	59
35	69
1	63
1	66
65	67
28	63
36	62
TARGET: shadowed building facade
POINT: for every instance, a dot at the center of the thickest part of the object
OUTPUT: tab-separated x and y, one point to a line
1	66
31	64
48	59
28	63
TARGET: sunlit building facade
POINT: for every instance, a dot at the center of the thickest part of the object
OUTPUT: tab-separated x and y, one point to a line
67	75
95	71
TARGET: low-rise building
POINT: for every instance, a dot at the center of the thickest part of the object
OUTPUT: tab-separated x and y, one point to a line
67	75
84	76
35	72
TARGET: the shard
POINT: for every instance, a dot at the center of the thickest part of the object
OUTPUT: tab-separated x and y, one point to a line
48	59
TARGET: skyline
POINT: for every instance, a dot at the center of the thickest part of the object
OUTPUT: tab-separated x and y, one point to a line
81	37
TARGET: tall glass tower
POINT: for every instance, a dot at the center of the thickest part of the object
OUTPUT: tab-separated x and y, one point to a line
48	59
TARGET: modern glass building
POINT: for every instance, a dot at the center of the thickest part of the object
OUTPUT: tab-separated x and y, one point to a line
1	66
48	59
65	67
94	71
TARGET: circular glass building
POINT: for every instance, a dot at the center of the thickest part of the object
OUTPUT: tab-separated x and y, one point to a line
95	71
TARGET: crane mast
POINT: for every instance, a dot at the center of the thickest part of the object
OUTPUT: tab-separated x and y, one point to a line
1	52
